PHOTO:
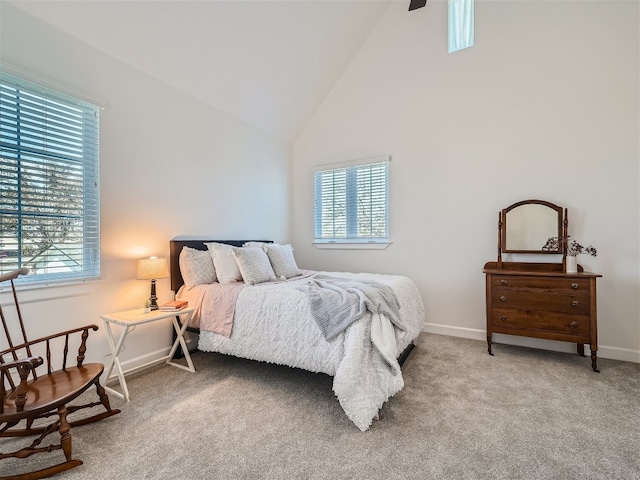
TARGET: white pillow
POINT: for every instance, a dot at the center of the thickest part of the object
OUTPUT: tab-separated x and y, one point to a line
226	267
282	260
196	267
254	244
254	265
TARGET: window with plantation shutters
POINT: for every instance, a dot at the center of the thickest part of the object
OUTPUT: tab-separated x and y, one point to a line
49	167
352	202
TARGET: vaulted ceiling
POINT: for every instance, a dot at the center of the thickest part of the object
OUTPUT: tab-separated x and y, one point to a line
268	63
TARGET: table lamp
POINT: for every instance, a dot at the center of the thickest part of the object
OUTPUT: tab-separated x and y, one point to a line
153	268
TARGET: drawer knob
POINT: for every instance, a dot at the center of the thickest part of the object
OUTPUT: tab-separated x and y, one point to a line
503	282
503	298
574	286
574	303
575	324
503	317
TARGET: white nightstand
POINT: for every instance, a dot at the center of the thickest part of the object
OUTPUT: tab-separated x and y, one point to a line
129	320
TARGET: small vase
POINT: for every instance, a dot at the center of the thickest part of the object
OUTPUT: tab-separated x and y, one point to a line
571	264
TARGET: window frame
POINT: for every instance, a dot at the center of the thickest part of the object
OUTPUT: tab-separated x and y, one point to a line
77	164
351	239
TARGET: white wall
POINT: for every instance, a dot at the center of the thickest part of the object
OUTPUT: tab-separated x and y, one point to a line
545	105
169	166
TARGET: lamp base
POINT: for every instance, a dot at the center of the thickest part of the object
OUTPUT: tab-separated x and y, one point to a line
153	300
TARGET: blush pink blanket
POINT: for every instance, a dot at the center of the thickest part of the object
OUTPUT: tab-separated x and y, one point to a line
214	305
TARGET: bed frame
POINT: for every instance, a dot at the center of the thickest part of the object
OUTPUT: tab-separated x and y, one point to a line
175	247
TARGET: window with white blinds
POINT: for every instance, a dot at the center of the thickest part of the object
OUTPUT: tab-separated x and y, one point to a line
352	203
49	179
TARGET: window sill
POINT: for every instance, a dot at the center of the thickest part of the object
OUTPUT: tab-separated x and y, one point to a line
352	245
34	292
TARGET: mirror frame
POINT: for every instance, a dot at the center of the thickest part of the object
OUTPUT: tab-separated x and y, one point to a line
561	228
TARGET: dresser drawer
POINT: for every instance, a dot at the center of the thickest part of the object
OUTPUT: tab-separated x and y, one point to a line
507	319
549	302
568	286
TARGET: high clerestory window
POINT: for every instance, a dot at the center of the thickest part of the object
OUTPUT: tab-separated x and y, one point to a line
49	183
461	24
352	203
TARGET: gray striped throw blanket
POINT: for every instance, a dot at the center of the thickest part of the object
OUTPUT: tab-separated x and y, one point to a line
338	302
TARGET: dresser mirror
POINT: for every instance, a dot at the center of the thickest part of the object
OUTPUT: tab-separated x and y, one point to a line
525	227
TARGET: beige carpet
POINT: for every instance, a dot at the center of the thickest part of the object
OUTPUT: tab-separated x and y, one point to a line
522	414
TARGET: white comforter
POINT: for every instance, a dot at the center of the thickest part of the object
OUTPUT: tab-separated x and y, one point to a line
273	323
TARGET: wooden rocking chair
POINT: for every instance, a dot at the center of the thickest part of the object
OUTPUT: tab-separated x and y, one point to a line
31	393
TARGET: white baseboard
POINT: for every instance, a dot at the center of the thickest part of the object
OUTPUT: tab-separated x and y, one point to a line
613	353
151	359
140	363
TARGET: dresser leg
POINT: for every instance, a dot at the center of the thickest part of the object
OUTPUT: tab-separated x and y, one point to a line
581	349
489	344
594	361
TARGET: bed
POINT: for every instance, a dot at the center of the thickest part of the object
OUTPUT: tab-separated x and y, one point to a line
356	327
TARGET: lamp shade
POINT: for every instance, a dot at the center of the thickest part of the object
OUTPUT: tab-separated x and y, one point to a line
152	268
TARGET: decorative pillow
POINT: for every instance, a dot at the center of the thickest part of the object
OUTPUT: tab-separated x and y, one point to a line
254	244
254	265
226	267
282	260
196	267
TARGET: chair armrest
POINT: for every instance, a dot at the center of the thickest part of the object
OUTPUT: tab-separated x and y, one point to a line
84	330
93	327
31	363
84	333
62	354
24	366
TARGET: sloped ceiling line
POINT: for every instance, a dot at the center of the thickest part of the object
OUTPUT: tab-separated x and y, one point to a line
268	63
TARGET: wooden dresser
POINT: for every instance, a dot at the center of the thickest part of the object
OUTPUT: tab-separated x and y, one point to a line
540	300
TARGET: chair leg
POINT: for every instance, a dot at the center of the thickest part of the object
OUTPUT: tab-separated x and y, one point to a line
64	429
104	400
65	432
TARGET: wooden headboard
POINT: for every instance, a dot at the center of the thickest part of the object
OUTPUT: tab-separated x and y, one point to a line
175	247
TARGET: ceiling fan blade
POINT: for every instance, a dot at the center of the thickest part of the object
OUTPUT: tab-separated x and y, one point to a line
417	4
